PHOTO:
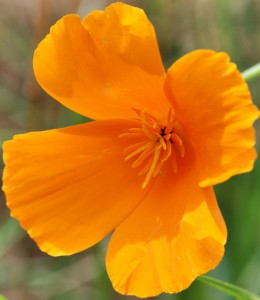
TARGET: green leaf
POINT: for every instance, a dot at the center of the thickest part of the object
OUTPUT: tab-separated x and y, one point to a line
228	288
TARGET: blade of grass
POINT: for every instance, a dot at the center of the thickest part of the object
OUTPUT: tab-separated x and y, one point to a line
228	288
252	72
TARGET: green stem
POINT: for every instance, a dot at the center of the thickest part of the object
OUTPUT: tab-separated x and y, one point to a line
252	72
227	288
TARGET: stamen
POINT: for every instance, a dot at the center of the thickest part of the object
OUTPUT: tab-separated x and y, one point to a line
133	147
163	143
146	167
176	139
132	134
147	152
170	122
148	129
159	165
164	158
137	151
153	165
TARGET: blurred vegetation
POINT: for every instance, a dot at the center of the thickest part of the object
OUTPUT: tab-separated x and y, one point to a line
181	26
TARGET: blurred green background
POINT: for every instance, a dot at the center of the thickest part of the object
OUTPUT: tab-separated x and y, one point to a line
181	26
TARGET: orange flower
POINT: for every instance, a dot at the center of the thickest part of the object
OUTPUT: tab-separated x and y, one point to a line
146	167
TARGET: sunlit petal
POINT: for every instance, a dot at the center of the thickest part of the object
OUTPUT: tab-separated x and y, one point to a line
214	106
174	235
70	187
105	66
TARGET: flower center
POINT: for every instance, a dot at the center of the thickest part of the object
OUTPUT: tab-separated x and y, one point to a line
152	144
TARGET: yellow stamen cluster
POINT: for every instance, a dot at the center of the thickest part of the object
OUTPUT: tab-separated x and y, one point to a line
153	144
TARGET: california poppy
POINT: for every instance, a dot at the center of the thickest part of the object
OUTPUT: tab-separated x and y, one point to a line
145	168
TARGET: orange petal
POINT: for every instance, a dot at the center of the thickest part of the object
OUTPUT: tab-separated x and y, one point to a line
105	66
176	234
70	187
213	104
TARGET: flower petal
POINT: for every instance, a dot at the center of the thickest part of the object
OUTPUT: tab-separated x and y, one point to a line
176	234
70	187
105	66
213	104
